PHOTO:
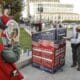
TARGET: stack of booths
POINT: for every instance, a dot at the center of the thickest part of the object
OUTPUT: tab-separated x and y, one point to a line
48	49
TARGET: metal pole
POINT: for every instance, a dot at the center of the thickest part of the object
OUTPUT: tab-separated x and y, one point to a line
40	17
28	9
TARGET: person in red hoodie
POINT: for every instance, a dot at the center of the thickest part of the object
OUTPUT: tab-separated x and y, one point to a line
5	18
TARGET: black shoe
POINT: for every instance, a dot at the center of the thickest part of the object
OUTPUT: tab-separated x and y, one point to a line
74	65
78	69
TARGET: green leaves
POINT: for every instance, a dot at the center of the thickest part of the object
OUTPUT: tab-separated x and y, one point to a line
15	6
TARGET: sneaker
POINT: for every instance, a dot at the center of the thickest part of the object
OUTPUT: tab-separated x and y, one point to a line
78	69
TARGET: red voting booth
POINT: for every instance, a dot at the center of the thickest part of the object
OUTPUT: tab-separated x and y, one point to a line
48	49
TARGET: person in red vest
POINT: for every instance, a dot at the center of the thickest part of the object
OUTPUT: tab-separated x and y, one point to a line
4	18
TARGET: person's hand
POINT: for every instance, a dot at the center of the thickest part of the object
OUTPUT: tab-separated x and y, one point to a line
66	38
69	39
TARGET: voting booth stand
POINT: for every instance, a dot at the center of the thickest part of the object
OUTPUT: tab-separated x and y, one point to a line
48	49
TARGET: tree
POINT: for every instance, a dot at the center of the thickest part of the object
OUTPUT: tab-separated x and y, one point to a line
15	6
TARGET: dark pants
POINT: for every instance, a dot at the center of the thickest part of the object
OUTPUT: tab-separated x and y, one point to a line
74	53
78	55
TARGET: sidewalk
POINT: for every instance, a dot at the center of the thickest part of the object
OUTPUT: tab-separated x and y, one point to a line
68	73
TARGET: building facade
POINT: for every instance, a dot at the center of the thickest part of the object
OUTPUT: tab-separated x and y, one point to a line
44	0
52	10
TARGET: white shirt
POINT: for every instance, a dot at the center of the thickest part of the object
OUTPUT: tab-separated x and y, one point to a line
75	40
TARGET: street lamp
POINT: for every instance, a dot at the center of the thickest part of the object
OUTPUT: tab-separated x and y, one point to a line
40	10
28	9
59	18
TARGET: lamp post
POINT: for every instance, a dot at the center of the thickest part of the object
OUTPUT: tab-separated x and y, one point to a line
40	10
59	18
28	9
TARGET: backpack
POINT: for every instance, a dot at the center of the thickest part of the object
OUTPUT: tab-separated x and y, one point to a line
11	54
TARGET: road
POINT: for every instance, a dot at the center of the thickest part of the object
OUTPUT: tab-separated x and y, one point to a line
68	73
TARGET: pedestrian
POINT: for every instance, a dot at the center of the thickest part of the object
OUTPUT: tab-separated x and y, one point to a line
75	43
5	18
78	49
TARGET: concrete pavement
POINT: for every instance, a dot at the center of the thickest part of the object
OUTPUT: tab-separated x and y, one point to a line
68	73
